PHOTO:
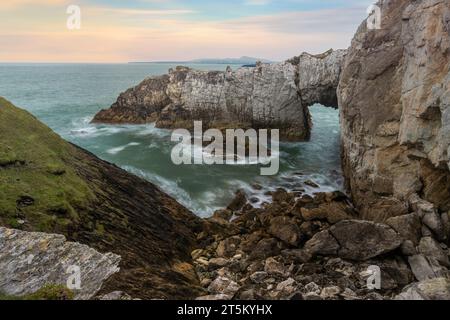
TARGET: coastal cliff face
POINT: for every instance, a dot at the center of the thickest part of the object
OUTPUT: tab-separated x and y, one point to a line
49	185
267	96
394	99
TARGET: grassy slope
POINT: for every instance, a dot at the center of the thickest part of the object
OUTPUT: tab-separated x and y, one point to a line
37	181
47	184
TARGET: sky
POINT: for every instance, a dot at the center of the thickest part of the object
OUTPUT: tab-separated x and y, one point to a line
115	31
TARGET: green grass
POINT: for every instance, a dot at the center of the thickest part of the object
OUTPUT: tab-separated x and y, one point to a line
35	163
48	292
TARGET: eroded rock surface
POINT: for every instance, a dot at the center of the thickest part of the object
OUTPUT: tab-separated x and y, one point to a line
394	97
29	261
267	96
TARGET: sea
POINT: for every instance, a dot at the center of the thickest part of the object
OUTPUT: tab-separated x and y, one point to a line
67	96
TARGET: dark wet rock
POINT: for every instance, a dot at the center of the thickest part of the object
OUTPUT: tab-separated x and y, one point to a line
227	248
286	229
323	243
238	202
363	240
265	248
296	255
312	184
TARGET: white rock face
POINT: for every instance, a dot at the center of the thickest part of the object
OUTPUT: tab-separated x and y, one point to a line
30	260
266	96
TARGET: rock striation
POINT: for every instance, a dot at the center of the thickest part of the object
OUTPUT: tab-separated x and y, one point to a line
394	100
29	261
266	96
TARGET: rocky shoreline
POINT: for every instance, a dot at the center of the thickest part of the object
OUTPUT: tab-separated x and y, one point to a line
316	248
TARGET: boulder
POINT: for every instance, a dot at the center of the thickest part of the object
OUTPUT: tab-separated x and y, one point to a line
29	261
274	267
265	248
408	226
223	286
238	202
323	244
425	267
286	229
431	248
363	240
227	248
431	289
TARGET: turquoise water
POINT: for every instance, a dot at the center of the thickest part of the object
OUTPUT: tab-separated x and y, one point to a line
67	96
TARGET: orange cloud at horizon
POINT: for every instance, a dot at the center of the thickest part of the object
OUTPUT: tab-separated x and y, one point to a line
115	35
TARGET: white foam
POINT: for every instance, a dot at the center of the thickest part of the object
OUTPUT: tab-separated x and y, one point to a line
121	148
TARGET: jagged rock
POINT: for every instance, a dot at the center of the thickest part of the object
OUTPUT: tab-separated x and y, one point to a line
217	263
312	288
259	276
297	255
323	243
429	247
394	104
238	202
408	226
223	285
265	248
270	95
432	289
425	267
274	267
29	261
433	221
408	249
363	240
116	295
330	292
286	287
227	248
285	229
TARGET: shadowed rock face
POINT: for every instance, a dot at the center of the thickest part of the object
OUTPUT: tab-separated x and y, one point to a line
394	99
267	96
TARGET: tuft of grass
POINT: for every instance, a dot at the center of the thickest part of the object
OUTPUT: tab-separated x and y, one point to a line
48	292
36	163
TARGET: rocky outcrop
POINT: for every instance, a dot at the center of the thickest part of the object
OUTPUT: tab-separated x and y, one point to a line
52	186
267	96
394	99
30	261
278	252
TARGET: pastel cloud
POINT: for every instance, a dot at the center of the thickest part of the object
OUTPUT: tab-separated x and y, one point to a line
170	31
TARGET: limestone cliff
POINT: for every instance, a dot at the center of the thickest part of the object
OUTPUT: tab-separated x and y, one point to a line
394	99
49	185
30	260
267	96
